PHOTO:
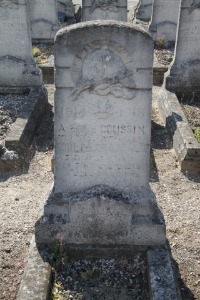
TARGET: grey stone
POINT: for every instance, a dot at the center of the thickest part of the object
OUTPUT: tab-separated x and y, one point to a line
144	10
162	281
184	143
43	19
102	139
17	67
164	21
183	76
66	7
36	280
104	10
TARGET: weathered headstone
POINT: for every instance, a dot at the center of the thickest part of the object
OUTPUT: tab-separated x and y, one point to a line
43	19
144	10
104	10
102	138
164	21
183	76
17	66
66	10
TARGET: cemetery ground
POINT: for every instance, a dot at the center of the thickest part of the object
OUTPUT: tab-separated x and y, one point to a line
22	200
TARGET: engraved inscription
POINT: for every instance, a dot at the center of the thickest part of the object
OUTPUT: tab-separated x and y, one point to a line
110	5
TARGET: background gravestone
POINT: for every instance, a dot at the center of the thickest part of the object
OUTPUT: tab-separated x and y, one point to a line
164	21
144	10
102	139
66	10
183	76
43	19
17	66
104	10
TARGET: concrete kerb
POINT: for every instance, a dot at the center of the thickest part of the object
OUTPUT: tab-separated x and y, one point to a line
22	131
37	278
185	144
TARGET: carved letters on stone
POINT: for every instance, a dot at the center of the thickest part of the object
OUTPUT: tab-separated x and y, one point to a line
110	5
103	72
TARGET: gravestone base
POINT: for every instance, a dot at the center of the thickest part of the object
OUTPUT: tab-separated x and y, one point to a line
101	218
184	84
30	75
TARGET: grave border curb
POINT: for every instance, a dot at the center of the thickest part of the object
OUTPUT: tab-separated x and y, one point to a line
37	277
185	144
22	131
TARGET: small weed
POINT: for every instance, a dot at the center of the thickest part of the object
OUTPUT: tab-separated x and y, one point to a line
57	291
38	59
36	52
160	43
197	134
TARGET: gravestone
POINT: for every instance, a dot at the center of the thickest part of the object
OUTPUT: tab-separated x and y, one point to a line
164	21
66	10
102	139
104	10
43	19
17	67
144	10
183	76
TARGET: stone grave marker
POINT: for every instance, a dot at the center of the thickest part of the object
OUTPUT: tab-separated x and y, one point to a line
66	10
164	21
104	10
144	10
102	138
17	67
183	76
43	19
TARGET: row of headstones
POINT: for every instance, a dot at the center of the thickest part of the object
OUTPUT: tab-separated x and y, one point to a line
176	22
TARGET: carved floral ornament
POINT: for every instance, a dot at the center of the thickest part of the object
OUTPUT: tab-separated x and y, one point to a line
111	5
9	4
195	4
103	72
5	5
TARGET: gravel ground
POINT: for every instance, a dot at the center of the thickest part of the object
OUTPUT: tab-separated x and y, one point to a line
102	279
22	199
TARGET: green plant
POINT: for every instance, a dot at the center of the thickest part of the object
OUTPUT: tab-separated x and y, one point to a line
38	59
197	134
36	52
57	291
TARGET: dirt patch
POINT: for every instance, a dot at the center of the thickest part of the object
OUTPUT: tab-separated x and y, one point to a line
164	56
